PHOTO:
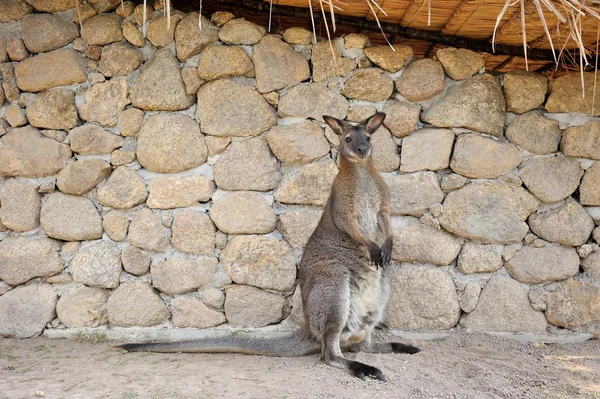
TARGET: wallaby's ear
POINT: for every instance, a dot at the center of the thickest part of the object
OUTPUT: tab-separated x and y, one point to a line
373	123
335	124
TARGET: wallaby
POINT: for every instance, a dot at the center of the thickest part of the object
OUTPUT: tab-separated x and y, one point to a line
343	277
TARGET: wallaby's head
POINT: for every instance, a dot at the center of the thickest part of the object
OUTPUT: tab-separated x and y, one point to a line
355	141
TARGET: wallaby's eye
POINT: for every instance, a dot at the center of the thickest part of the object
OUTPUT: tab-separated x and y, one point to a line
348	139
368	138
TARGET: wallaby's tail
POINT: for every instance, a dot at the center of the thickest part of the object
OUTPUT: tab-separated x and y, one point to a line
294	344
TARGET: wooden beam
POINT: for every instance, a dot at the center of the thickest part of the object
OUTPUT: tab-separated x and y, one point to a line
412	11
462	13
512	25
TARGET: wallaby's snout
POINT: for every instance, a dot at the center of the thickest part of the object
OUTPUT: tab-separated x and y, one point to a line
362	149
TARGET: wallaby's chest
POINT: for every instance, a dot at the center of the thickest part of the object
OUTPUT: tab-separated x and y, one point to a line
367	204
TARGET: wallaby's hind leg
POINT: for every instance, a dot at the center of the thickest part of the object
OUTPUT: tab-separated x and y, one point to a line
365	345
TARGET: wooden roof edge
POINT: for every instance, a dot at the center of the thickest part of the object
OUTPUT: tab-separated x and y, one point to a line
482	45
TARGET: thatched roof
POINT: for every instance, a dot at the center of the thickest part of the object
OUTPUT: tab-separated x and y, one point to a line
427	25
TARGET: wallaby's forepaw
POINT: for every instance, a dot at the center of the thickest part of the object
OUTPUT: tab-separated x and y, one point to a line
362	370
375	253
402	348
386	252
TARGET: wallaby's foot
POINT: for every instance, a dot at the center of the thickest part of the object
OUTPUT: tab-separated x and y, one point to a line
362	370
403	348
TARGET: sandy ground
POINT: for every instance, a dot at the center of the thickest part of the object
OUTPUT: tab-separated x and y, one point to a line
461	366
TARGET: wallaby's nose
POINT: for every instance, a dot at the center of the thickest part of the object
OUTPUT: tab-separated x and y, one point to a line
362	149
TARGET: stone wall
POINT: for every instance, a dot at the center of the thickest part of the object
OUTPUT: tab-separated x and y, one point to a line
171	181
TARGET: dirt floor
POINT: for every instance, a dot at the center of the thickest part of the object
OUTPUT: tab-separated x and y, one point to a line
461	366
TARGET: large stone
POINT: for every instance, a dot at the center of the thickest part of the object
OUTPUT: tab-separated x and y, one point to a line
160	87
309	185
252	307
385	151
70	218
413	194
243	213
504	306
102	29
25	152
368	84
421	80
161	30
488	212
124	189
179	192
240	31
551	179
524	91
119	59
92	139
421	297
53	109
312	100
22	259
13	10
591	265
136	304
228	108
193	232
479	258
460	63
426	149
298	143
21	205
190	312
115	225
566	94
61	67
25	311
105	101
534	133
328	62
135	261
178	275
223	61
479	157
54	5
81	176
543	265
297	226
247	165
392	60
45	32
83	307
401	118
190	40
147	232
414	242
570	224
589	191
98	265
573	304
133	35
170	143
582	141
278	65
476	103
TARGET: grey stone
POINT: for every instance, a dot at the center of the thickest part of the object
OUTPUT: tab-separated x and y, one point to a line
278	65
385	151
170	143
368	84
243	213
115	225
178	275
131	121
311	100
479	258
147	232
105	101
135	261
297	35
566	94
582	141
228	108
401	118
15	115
504	306
212	297
190	40
247	306
224	61
477	103
298	143
297	226
53	109
190	312
102	29
551	179
22	259
247	165
124	189
133	35
191	80
480	157
81	176
122	157
452	181
70	218
119	59
534	133
537	297
21	205
45	32
83	307
569	225
179	192
92	139
61	67
543	265
469	296
589	191
240	31
392	60
261	262
573	304
524	91
421	297
9	84
360	113
193	232
413	194
136	304
414	242
422	79
25	310
328	62
591	265
98	265
309	185
460	63
220	18
488	212
426	149
161	31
